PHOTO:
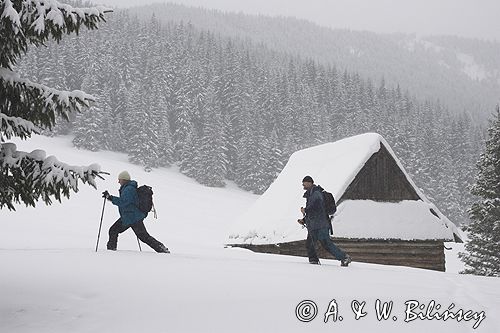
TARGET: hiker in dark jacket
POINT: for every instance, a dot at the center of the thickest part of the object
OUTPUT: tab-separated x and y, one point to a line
318	225
130	215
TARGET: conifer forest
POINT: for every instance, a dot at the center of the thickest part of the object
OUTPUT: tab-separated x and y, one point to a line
227	109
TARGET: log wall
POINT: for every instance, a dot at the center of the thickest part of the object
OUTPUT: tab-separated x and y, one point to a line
418	254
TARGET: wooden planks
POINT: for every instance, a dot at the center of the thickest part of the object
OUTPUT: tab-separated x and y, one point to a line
418	254
380	179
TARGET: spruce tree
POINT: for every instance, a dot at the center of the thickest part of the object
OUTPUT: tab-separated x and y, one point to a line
89	129
142	139
190	155
211	168
483	249
120	113
27	107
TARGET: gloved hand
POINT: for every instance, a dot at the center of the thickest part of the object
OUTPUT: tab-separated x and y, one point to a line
106	195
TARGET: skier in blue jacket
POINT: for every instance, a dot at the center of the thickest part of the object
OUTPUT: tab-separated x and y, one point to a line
130	215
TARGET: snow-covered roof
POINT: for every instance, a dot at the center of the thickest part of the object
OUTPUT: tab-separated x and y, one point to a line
273	217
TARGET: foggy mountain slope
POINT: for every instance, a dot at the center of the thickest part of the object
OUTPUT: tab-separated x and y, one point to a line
462	73
174	94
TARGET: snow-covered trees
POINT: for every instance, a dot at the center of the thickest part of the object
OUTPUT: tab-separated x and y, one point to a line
27	107
483	248
223	109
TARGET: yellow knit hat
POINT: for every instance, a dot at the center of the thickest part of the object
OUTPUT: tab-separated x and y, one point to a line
124	175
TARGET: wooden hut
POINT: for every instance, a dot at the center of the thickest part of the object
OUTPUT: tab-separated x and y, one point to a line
382	216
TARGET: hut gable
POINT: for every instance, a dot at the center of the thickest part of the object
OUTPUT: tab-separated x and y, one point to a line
380	179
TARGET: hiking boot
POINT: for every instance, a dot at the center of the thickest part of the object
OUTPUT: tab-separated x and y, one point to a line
314	262
347	260
163	249
111	245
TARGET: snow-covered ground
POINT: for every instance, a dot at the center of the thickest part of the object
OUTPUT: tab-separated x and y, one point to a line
51	280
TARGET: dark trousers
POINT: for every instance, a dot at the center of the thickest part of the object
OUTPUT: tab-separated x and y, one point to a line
322	235
139	230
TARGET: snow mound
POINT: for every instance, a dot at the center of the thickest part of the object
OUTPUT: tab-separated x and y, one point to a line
404	220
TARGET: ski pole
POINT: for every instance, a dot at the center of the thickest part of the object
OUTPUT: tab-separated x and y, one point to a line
138	243
100	225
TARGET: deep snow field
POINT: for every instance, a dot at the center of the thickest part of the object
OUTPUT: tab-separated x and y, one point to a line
52	280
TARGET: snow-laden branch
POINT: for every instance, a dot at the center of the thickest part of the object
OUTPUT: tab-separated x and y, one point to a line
42	13
35	21
43	177
15	126
62	96
20	97
53	12
12	15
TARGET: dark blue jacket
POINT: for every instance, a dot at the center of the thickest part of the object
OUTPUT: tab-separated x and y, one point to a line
316	217
127	204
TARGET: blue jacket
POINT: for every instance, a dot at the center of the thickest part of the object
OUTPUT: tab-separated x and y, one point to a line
127	204
316	217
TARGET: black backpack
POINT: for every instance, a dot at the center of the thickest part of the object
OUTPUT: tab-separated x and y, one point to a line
145	195
329	200
330	207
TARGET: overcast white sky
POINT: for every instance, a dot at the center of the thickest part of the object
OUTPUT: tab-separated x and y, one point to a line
468	18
